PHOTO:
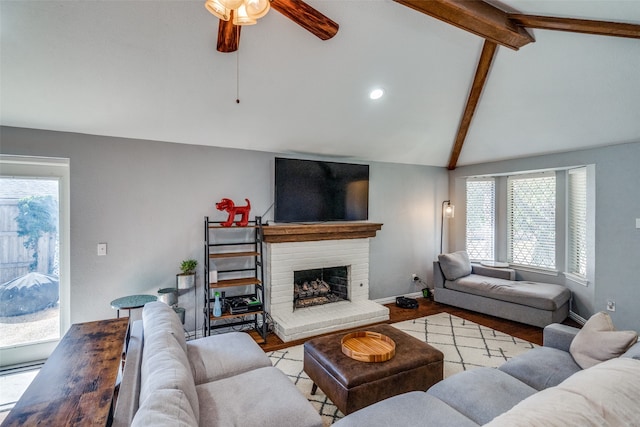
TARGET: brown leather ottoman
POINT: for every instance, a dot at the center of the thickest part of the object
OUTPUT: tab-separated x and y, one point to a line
352	385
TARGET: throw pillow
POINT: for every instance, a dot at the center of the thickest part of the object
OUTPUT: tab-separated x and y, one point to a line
455	265
599	341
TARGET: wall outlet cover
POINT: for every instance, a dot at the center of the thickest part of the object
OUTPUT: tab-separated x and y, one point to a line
102	249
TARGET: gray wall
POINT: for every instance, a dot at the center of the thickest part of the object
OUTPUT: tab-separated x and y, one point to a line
147	200
617	247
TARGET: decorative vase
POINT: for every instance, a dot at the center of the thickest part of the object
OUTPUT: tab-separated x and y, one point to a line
217	308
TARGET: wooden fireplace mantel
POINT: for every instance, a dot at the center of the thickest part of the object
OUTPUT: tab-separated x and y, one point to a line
281	233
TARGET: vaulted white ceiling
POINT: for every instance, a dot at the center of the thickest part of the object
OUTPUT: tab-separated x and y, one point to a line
150	70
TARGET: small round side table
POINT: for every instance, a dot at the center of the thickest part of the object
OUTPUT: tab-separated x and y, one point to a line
130	302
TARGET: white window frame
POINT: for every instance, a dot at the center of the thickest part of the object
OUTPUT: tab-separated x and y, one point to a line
56	168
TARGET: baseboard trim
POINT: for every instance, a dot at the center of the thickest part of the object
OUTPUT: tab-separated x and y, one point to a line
576	317
387	300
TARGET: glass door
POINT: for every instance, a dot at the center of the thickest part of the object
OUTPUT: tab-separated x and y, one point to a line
33	261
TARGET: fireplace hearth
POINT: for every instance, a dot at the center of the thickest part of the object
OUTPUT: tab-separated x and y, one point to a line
320	286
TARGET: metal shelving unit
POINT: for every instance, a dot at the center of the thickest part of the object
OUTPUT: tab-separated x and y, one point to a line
226	251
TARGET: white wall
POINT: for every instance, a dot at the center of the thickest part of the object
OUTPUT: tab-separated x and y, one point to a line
147	200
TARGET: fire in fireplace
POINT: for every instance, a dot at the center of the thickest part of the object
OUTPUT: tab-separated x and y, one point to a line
320	286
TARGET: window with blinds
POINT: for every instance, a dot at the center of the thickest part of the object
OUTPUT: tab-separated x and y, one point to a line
531	220
480	219
577	222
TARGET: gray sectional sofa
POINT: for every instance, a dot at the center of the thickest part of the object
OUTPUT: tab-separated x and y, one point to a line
222	380
496	292
543	387
587	377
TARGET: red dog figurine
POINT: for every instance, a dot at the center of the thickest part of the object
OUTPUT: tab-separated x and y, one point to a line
233	210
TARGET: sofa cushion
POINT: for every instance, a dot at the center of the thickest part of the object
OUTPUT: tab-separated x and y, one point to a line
158	316
545	296
481	394
165	408
408	409
604	395
598	341
262	397
165	367
559	336
220	356
633	352
455	265
541	367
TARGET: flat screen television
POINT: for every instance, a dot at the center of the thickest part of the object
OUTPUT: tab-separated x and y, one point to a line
318	191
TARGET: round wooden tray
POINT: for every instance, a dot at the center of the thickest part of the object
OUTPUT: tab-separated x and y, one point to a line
367	346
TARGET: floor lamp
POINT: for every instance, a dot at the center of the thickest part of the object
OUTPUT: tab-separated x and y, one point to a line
447	212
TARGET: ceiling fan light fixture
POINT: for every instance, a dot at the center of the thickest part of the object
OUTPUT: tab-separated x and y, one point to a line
241	17
231	4
218	9
256	9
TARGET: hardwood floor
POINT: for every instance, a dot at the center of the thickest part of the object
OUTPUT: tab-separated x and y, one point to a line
428	307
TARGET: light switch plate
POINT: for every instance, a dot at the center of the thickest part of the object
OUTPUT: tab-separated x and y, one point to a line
637	222
102	249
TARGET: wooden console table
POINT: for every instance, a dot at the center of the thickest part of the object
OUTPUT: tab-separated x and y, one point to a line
75	387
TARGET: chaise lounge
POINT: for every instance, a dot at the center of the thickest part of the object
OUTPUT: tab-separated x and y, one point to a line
495	291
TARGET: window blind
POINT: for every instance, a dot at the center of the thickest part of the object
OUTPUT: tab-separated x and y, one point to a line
480	219
577	222
531	220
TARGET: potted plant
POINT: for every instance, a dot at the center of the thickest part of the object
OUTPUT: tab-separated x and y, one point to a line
187	279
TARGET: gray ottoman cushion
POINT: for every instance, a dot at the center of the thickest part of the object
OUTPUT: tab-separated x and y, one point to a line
409	409
541	367
263	397
481	394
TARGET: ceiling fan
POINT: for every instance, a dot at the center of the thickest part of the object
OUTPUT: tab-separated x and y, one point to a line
234	14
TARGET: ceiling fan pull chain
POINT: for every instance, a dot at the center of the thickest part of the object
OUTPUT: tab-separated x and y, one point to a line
238	72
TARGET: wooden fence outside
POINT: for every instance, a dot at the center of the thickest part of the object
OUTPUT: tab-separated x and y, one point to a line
14	257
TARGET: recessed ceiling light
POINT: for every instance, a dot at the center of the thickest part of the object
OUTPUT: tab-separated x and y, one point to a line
376	94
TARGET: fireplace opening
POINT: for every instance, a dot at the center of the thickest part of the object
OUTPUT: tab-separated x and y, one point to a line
320	286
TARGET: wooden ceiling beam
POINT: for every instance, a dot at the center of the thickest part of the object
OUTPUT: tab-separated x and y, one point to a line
477	17
601	28
484	65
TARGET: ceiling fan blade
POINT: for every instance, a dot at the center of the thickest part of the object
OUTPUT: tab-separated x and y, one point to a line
307	17
228	36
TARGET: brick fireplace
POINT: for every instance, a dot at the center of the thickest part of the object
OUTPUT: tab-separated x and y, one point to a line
292	249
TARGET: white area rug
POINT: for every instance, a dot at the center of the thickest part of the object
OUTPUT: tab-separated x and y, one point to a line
466	345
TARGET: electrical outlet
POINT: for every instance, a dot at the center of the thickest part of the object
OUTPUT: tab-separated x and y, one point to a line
611	305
